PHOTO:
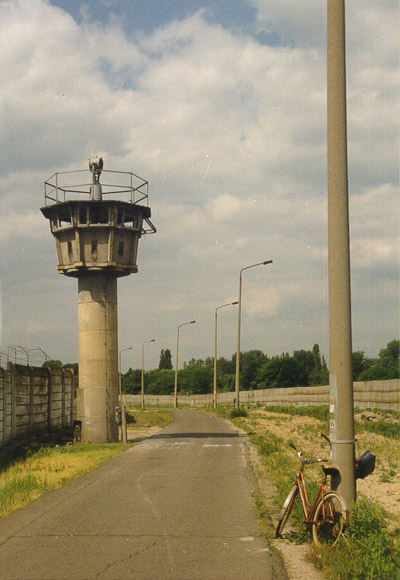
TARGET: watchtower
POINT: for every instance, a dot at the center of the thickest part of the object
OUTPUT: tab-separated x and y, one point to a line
96	227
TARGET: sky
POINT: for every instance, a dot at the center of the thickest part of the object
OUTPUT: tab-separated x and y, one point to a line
221	106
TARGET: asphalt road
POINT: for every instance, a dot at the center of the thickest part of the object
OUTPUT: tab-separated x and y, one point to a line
176	506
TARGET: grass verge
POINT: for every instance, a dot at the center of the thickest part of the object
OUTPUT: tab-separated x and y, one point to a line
26	475
144	418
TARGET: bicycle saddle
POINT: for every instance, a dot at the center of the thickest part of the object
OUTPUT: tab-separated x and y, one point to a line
330	470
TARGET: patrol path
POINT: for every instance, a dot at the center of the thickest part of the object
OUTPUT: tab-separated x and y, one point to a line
176	506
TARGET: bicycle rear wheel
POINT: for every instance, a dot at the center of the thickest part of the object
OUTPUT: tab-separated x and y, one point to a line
286	509
329	519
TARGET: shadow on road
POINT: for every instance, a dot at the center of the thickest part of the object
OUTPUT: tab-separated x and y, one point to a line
188	435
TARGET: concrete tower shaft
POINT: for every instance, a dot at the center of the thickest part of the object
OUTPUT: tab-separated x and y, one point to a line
97	242
98	356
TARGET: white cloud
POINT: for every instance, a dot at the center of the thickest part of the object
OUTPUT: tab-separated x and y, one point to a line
231	136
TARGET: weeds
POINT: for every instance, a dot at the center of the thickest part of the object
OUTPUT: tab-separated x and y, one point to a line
390	429
237	412
317	412
366	551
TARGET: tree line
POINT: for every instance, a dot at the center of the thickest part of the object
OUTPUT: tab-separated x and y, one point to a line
258	371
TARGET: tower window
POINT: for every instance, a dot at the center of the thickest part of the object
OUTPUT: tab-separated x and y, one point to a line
83	215
98	214
94	247
121	249
70	250
120	216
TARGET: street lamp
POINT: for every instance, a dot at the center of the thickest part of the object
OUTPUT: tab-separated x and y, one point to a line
142	391
123	426
176	365
120	369
237	389
215	350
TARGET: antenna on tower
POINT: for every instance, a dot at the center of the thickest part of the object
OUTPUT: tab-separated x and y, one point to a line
95	166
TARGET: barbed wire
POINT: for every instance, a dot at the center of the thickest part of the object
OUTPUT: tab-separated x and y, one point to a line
24	356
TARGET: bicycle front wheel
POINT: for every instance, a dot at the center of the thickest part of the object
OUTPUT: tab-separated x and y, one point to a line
329	519
286	509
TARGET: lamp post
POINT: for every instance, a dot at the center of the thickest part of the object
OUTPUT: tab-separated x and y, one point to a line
237	389
215	350
142	391
341	402
176	365
123	426
120	369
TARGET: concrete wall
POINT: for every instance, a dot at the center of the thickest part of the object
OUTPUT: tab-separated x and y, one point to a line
367	395
35	400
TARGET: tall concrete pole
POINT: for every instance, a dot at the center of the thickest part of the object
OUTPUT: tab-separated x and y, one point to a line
340	335
176	363
142	382
216	348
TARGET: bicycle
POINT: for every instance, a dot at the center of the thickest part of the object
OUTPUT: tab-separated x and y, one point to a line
327	514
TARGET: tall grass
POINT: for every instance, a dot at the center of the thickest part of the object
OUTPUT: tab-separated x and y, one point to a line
390	429
26	475
139	418
320	412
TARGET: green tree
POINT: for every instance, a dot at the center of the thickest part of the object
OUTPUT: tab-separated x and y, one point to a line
131	382
320	376
359	363
317	357
279	372
389	358
165	359
376	372
385	367
225	366
53	363
160	382
307	363
74	366
196	377
250	363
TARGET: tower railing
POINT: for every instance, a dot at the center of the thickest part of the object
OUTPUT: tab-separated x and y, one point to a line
67	186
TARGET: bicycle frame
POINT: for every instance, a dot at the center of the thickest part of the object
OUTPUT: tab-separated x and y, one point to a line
301	485
328	512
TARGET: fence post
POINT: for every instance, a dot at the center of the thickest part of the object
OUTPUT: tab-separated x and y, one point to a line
31	400
49	399
63	399
13	388
3	405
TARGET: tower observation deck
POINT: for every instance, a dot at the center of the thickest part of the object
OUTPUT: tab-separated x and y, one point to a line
96	227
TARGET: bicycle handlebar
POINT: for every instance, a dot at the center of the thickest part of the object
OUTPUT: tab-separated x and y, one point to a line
310	461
